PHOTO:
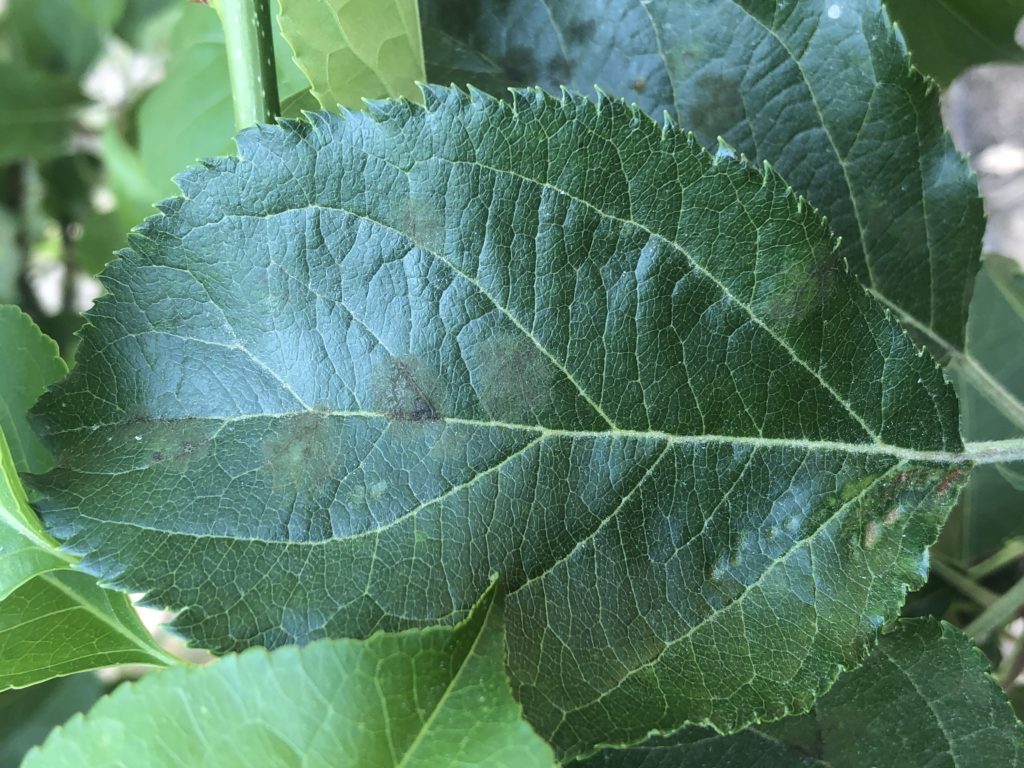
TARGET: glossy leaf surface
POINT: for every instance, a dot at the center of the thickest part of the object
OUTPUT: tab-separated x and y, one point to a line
924	698
424	698
377	359
822	90
356	49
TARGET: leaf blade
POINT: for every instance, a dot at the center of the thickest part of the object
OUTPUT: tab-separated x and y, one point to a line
948	36
412	426
62	622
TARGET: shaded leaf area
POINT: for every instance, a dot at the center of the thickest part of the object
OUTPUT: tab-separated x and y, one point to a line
422	698
948	36
52	622
923	698
25	550
822	90
33	364
356	49
992	506
27	716
381	357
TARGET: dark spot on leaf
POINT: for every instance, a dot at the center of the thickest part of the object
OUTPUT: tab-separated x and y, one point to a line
520	64
407	393
640	84
580	32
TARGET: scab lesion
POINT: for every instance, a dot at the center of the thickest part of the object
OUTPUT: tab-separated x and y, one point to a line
408	393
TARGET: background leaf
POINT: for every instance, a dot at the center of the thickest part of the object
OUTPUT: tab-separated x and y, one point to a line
62	622
820	89
423	698
356	49
33	364
60	37
948	36
51	623
189	116
923	698
28	715
38	113
549	340
992	508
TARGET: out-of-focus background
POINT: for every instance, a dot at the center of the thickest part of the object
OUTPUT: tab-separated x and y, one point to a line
984	110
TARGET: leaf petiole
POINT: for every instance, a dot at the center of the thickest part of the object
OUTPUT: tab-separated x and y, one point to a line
249	39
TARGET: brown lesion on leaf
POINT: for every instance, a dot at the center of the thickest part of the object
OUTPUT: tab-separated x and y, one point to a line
640	84
407	393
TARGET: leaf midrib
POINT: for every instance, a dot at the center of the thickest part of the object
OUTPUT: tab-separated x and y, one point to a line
834	446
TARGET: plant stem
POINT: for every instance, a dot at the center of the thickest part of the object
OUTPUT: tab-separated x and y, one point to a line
250	45
1010	552
1002	611
963	583
995	451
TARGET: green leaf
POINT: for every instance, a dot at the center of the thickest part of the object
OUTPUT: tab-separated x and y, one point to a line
434	697
25	550
38	113
948	36
27	716
379	358
823	90
51	623
450	61
33	364
923	698
62	622
991	507
356	49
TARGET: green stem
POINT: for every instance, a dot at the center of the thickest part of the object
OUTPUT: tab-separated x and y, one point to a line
995	451
250	44
1011	552
963	583
1001	612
